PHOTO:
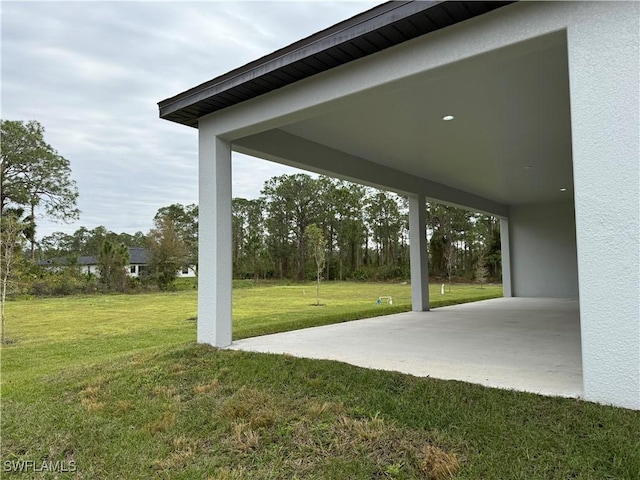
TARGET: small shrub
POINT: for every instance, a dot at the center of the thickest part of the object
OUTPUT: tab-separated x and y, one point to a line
384	273
63	282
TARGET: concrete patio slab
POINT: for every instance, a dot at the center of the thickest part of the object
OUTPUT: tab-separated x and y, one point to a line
526	344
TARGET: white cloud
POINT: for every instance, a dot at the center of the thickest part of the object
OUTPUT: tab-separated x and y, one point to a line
93	72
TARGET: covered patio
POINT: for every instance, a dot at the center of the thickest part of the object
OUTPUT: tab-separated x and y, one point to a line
524	111
525	344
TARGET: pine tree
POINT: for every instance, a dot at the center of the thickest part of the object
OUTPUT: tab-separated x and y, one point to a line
112	260
34	176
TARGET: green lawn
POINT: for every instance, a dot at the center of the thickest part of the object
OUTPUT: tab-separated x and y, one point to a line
260	310
56	333
114	387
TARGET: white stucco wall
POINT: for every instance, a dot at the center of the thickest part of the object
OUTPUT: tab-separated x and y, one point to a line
543	250
604	75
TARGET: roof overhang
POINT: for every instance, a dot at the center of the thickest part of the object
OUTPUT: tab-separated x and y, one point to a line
370	32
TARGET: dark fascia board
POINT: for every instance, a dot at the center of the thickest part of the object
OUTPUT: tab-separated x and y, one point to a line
270	72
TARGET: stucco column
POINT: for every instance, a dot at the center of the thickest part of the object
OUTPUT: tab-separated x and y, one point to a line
505	248
604	68
418	253
214	244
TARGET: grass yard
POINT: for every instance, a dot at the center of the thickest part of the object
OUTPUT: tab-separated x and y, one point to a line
259	310
114	387
56	333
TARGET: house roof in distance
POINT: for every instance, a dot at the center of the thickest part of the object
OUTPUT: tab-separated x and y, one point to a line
137	256
82	260
369	32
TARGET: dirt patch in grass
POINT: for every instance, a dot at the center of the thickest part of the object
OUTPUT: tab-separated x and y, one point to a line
384	448
210	422
310	439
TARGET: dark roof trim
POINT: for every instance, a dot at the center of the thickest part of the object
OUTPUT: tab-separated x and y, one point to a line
369	32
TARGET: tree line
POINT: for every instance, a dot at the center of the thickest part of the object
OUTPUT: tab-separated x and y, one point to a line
171	246
366	232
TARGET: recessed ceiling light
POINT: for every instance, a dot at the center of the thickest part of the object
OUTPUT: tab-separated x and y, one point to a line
563	189
447	118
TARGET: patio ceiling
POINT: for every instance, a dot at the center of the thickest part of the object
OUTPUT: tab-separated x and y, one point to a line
510	140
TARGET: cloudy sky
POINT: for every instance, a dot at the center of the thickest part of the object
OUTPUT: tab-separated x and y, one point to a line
93	72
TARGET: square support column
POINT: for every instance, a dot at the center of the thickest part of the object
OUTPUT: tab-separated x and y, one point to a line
214	242
604	67
418	253
505	248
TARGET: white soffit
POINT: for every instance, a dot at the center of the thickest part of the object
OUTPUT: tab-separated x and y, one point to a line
510	140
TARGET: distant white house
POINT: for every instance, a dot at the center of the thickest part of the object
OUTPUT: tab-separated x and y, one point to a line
186	272
139	259
138	262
